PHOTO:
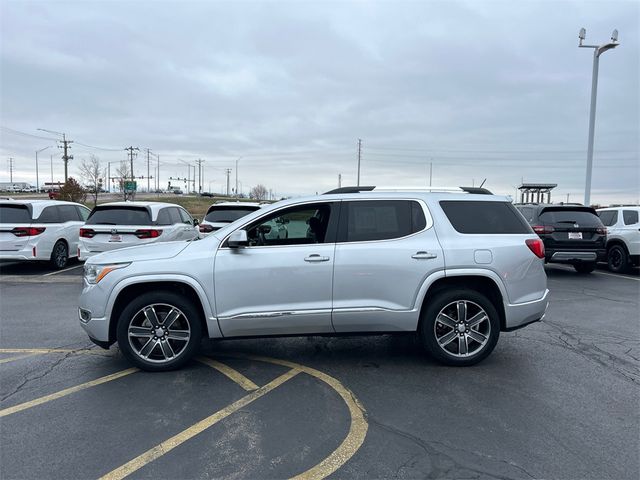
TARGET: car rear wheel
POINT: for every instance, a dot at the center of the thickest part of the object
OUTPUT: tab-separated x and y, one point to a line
584	267
59	255
617	259
159	331
460	327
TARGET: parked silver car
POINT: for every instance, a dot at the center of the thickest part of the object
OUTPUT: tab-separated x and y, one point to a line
456	268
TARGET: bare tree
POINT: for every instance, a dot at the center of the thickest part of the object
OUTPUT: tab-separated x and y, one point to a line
92	173
259	192
123	174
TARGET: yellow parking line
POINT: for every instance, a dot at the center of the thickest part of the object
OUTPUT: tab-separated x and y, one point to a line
357	431
11	359
65	392
168	445
234	375
36	351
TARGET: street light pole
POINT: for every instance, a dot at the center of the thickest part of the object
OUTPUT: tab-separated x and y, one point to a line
237	160
37	178
597	51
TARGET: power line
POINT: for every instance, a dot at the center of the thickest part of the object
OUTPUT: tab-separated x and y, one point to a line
24	134
99	148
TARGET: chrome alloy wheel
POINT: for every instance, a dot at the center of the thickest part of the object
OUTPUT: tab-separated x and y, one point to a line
159	333
462	328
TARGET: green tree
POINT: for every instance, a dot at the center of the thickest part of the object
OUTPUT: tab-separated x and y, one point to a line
72	191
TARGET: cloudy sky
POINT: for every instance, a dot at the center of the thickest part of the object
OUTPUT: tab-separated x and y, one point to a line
478	89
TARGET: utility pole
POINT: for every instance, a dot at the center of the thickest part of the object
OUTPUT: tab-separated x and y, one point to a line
158	174
597	51
199	162
339	180
237	160
359	154
11	170
65	146
227	172
130	153
52	171
148	173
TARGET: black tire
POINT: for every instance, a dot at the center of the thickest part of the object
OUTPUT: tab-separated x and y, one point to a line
188	319
584	267
429	326
618	259
59	255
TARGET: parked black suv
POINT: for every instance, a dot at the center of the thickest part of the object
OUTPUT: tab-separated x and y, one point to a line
572	234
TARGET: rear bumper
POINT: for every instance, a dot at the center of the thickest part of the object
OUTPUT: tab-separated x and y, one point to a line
17	256
570	256
521	314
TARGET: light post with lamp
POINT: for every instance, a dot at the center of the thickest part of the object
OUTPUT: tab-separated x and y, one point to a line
597	51
37	177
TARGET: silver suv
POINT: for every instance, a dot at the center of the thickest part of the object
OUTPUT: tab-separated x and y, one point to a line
456	268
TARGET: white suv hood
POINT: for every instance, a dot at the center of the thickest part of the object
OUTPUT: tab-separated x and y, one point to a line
157	251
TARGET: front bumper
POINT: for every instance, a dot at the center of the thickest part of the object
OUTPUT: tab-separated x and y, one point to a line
521	314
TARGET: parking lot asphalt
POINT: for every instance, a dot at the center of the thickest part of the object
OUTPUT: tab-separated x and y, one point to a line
559	399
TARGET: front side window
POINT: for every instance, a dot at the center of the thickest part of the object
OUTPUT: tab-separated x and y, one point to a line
68	213
630	217
301	225
174	215
609	217
186	218
84	213
370	220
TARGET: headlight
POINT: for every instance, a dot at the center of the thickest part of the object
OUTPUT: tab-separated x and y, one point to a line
93	273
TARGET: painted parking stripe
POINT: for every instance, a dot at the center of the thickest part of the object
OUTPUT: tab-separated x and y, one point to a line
173	442
569	269
62	271
37	351
19	357
67	391
229	372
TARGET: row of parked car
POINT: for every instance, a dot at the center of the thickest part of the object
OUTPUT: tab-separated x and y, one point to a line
54	231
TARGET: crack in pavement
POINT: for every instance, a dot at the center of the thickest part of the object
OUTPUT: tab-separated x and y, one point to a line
27	379
441	471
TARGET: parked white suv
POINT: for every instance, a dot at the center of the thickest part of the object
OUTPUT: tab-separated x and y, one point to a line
222	214
456	268
126	224
623	236
40	230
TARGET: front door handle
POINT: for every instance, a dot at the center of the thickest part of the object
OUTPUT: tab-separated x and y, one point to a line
316	258
422	255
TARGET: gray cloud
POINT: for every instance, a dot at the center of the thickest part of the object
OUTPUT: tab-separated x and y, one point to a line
495	90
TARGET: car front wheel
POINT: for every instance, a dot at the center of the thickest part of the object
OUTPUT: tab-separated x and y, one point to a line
159	331
460	327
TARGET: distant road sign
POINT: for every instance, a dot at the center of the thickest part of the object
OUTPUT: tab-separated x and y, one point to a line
130	186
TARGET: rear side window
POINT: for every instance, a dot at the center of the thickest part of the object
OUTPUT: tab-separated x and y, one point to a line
528	213
380	220
49	215
84	213
174	215
119	216
565	216
469	216
68	213
14	214
630	217
609	217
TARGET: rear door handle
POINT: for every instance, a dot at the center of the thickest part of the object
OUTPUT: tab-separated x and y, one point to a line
424	255
316	258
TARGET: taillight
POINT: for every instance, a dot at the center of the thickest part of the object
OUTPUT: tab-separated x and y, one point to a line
204	228
536	246
148	233
87	233
601	230
27	231
543	229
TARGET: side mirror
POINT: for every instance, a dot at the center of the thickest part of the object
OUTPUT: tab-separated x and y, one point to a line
196	222
238	239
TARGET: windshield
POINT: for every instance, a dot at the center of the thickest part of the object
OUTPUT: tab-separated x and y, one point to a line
119	216
584	218
227	214
14	214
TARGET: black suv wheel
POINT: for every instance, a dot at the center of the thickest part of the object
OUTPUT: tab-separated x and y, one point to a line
617	258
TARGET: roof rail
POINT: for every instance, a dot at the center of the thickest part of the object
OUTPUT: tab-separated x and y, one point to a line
355	189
